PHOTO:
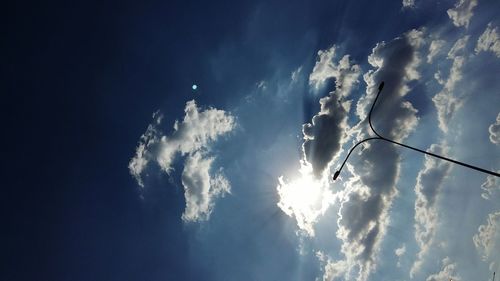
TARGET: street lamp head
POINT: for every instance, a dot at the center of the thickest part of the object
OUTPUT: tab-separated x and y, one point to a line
336	175
381	86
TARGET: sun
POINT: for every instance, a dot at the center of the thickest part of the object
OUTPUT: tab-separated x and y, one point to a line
303	198
302	194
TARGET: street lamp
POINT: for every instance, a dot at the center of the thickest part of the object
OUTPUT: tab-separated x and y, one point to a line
380	137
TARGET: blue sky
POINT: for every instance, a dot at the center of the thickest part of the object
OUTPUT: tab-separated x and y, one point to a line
117	169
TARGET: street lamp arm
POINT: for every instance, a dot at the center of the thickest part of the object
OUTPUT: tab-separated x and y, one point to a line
380	137
349	154
380	87
443	158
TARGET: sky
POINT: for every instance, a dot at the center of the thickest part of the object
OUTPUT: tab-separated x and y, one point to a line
197	140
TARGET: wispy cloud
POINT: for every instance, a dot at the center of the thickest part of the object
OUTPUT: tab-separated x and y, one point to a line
191	138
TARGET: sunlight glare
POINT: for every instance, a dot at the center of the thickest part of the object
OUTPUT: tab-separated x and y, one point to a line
304	198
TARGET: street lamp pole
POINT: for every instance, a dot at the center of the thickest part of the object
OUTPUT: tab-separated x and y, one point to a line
380	137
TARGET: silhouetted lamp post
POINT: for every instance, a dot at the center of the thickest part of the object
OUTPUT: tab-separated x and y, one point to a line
380	137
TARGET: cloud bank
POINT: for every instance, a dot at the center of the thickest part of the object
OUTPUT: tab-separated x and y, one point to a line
429	184
191	138
364	212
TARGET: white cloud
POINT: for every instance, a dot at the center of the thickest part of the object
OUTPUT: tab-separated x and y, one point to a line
408	3
448	272
364	211
191	138
323	138
429	184
494	131
491	185
200	188
489	40
344	71
459	47
448	100
462	12
435	48
332	270
399	252
487	240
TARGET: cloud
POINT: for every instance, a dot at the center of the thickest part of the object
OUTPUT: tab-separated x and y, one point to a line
489	41
459	47
200	188
331	269
448	272
462	12
262	85
448	101
429	184
323	138
142	154
191	138
408	3
296	74
494	131
491	185
344	71
305	198
364	211
435	48
324	135
399	252
487	240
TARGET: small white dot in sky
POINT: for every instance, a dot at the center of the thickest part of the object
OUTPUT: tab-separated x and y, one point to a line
194	86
